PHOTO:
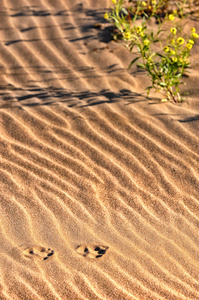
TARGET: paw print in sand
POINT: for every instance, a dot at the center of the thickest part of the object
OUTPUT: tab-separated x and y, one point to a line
37	252
92	251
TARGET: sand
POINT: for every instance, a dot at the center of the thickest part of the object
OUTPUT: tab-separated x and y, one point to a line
98	184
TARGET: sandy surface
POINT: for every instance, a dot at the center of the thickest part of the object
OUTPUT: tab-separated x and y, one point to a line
98	185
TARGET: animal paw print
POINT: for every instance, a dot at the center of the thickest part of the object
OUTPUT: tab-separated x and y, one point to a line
92	251
37	252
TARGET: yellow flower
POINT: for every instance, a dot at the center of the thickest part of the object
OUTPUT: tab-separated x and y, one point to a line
172	41
153	2
146	42
143	3
173	30
175	12
180	41
171	17
106	16
189	46
174	59
180	60
194	35
127	35
166	49
172	52
191	42
114	1
138	29
164	100
193	29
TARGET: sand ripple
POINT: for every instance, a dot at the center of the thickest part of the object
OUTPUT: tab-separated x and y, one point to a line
99	186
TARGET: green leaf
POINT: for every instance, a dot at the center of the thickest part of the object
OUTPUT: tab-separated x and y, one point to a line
145	15
148	90
185	93
141	66
160	31
149	87
163	84
150	57
134	60
132	46
160	55
124	11
178	75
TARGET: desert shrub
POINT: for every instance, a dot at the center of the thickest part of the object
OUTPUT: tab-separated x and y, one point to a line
165	66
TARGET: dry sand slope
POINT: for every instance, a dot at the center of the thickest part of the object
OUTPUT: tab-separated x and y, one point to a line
98	185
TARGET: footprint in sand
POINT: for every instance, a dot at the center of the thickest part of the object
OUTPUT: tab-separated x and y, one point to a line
37	252
92	251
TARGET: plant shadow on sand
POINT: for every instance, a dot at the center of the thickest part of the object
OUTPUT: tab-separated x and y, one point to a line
37	96
34	96
90	23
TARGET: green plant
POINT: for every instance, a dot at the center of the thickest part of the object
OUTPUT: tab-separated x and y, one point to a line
118	16
166	66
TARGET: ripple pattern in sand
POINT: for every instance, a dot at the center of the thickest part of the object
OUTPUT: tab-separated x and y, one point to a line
99	189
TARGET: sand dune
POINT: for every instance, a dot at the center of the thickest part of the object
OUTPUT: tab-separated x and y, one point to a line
99	185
